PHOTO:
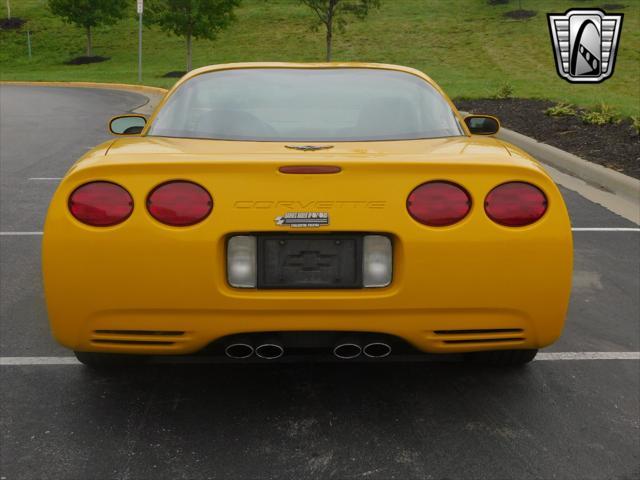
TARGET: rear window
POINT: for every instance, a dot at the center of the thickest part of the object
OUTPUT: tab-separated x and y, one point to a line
306	105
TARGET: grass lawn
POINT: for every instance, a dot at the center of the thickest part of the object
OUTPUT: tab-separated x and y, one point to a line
467	46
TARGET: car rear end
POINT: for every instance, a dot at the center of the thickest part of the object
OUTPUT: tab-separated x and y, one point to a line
369	263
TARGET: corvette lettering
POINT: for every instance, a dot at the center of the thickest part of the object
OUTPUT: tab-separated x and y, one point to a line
309	205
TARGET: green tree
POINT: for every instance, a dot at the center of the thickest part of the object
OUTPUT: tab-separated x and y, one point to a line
89	13
333	15
192	18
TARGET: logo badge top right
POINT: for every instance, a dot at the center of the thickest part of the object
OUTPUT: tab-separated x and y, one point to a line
585	43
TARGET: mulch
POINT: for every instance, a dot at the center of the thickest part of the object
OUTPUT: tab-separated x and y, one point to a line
521	14
84	60
12	23
174	74
616	146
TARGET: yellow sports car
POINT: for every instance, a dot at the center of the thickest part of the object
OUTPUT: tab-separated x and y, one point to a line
271	210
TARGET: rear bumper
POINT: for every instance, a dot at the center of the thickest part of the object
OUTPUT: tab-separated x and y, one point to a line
182	288
147	277
439	288
186	331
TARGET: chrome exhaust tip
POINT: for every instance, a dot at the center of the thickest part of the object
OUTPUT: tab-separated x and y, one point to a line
269	351
377	350
238	351
347	351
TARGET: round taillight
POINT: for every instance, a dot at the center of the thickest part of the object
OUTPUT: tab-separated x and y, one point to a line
100	204
438	204
515	204
179	203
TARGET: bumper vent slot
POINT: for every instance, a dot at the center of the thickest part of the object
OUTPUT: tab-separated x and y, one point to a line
484	340
152	338
131	342
492	335
159	333
481	331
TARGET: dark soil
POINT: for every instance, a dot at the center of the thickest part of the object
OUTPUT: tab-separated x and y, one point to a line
613	6
85	60
497	2
616	146
174	74
11	23
520	14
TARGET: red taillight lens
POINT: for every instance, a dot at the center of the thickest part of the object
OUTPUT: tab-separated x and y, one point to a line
515	204
438	204
100	204
179	203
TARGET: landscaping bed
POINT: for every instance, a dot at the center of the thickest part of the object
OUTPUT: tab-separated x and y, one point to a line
175	74
613	145
84	60
11	23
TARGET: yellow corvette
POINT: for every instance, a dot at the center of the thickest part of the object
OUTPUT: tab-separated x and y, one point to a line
276	209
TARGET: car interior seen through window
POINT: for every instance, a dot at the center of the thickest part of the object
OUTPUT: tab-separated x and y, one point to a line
278	104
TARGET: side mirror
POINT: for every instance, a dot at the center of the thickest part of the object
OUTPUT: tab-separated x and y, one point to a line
127	124
482	124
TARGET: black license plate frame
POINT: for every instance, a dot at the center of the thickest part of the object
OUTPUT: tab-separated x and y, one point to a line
309	261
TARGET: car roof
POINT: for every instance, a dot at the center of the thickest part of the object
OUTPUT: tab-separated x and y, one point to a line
298	65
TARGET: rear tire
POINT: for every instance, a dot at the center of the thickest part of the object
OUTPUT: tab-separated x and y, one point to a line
502	358
107	361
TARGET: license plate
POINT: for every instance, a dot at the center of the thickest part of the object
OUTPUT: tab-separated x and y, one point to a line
309	261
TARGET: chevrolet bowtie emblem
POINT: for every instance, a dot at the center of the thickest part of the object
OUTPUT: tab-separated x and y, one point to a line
309	148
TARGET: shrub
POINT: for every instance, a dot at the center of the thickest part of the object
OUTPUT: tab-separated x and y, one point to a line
504	92
635	123
602	115
561	110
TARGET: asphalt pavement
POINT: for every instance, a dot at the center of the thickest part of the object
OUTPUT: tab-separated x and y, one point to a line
556	418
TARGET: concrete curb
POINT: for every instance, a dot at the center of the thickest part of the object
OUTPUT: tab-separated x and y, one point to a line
154	94
107	86
591	173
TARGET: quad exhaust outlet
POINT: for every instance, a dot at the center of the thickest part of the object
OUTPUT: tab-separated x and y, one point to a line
377	350
269	351
238	351
275	350
347	351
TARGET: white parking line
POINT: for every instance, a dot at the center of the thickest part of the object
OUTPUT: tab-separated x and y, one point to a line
552	356
588	356
589	229
55	179
39	361
607	229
